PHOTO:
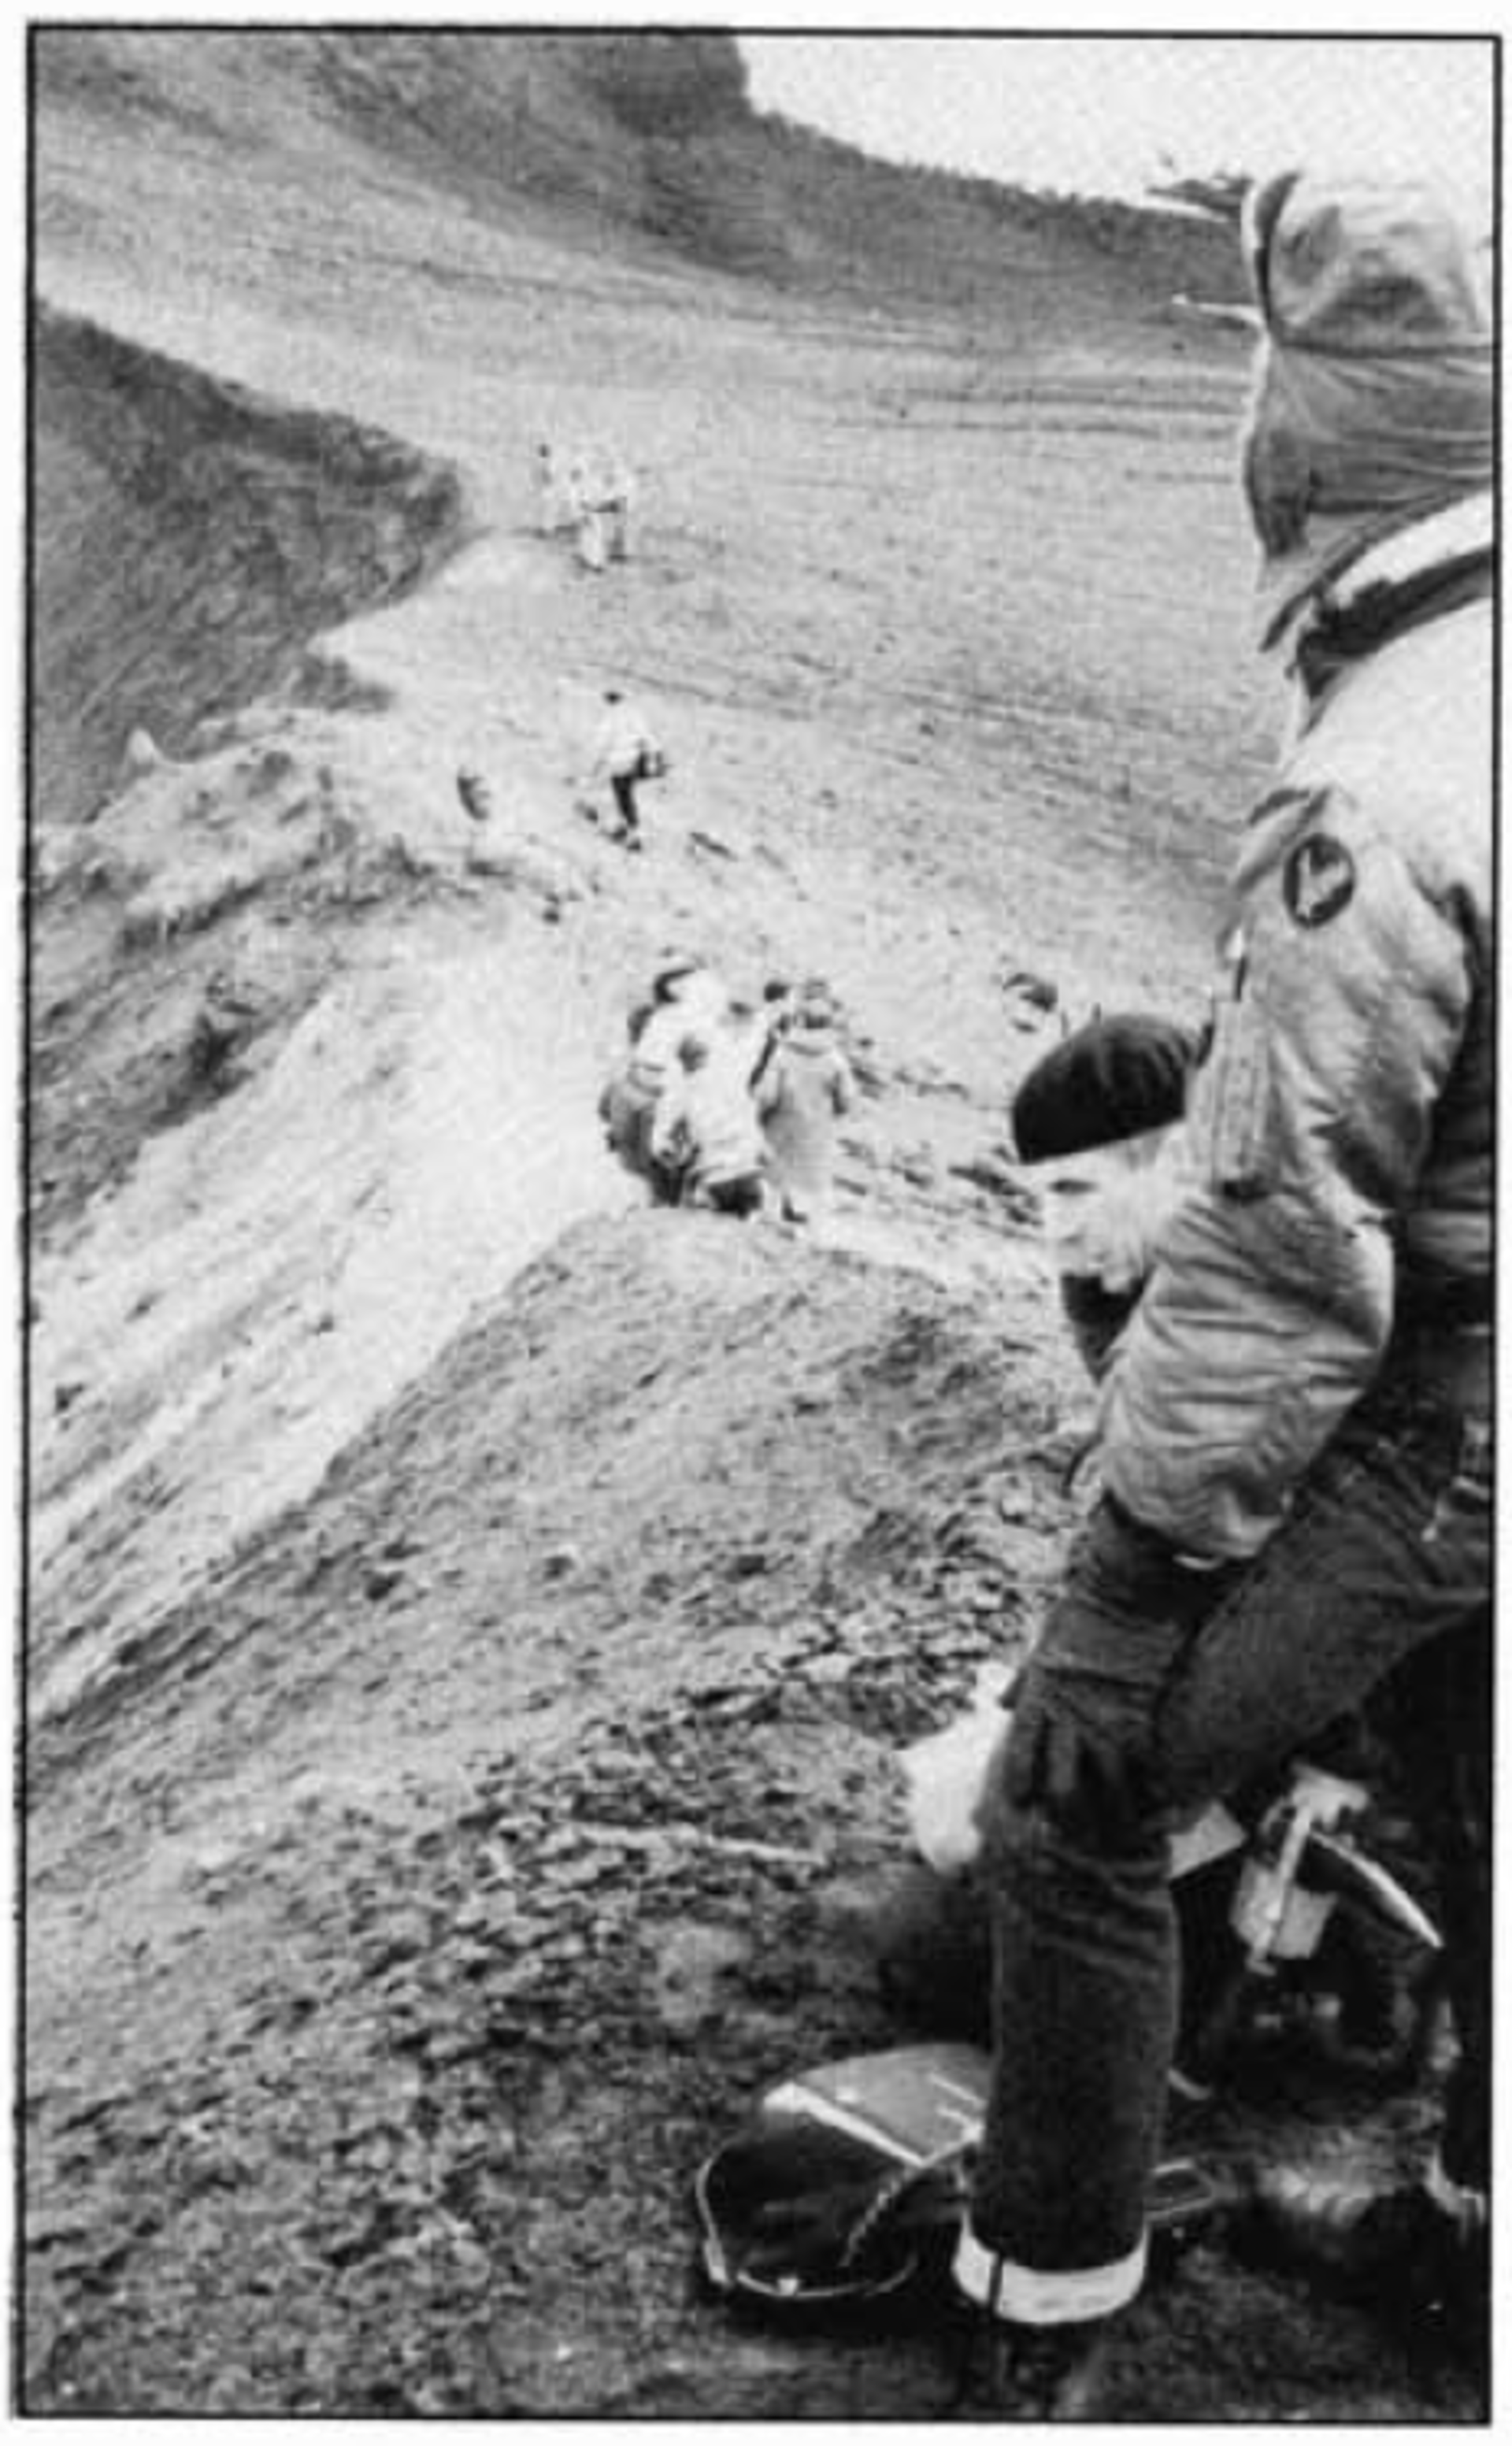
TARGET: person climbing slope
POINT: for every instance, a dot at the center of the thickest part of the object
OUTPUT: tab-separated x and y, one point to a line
625	754
805	1090
706	1128
686	996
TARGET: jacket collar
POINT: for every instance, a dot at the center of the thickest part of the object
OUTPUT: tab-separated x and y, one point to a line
1466	530
1415	573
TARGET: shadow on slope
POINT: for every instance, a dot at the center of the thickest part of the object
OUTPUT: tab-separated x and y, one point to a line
189	539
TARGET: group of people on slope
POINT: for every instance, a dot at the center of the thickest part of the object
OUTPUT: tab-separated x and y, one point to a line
586	490
720	1103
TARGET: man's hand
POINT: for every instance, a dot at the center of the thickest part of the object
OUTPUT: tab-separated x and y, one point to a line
1078	1752
1085	1705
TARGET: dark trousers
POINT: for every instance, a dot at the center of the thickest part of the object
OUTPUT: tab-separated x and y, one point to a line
1199	1682
740	1198
623	786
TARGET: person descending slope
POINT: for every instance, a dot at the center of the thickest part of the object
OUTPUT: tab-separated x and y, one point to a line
626	753
686	996
556	498
605	498
706	1128
805	1089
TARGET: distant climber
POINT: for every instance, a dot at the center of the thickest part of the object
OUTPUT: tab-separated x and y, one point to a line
587	490
604	496
705	1132
626	753
769	1026
805	1090
556	504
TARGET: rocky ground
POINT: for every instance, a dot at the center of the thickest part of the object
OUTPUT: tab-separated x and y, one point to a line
472	1619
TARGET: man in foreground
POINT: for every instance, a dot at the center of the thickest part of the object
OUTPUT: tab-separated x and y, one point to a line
1295	1427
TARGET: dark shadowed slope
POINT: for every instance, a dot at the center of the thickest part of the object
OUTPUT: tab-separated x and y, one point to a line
189	539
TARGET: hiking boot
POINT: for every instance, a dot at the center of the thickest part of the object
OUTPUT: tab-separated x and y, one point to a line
1038	2373
1395	2251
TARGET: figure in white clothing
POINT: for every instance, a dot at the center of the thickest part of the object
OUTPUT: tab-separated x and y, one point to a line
625	754
686	997
556	501
605	496
705	1130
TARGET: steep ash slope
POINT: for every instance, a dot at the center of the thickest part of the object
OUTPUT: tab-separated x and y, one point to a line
507	1815
581	1657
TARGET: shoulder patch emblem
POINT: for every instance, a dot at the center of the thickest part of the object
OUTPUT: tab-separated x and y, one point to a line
1317	880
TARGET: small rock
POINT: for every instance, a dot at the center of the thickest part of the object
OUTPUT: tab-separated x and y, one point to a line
691	1962
142	754
232	2391
475	797
453	2046
1038	992
569	1874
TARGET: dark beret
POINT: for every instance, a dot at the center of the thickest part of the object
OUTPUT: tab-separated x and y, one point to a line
1112	1080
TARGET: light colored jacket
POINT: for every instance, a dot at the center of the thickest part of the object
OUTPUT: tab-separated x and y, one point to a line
708	1117
601	479
558	504
806	1088
1341	1128
623	735
698	1006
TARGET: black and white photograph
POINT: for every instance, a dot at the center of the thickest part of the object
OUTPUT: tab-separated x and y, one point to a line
756	1153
